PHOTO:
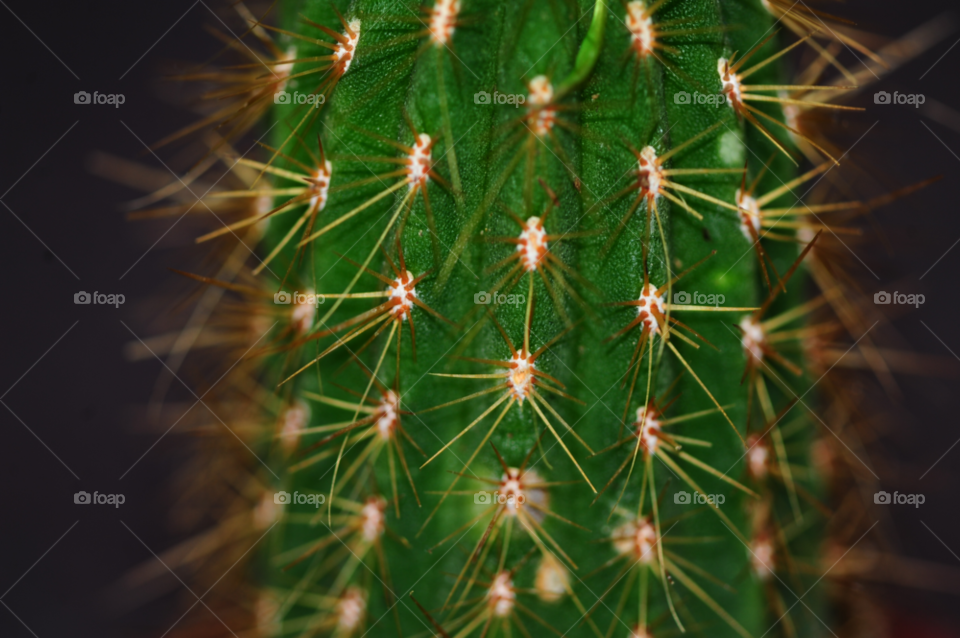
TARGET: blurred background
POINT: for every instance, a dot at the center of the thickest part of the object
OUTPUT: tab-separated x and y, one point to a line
71	399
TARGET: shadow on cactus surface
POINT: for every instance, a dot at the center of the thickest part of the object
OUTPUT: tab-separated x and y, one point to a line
531	318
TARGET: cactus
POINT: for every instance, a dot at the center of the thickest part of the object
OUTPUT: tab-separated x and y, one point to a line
519	350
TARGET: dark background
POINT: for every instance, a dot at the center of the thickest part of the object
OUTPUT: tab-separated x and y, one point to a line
69	396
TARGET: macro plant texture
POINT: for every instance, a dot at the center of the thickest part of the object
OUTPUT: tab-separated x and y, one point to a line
517	310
